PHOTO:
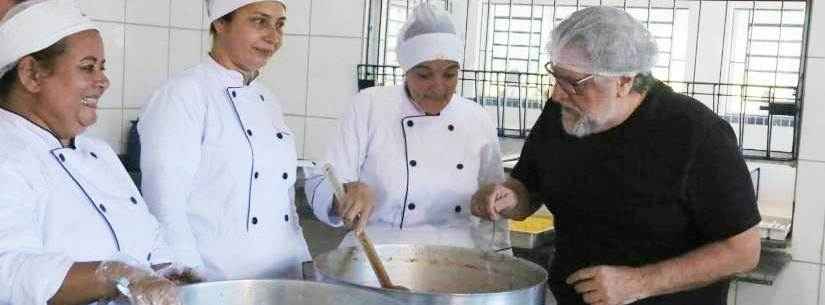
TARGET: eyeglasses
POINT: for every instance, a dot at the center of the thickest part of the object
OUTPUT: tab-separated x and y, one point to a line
569	87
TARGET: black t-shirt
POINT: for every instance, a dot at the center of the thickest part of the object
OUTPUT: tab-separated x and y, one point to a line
666	181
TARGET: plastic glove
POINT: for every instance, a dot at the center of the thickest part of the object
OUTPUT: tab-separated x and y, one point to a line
180	274
139	286
493	236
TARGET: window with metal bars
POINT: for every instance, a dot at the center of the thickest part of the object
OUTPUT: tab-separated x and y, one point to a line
395	13
743	59
518	34
767	43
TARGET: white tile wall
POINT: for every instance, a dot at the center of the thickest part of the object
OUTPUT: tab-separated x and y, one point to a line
187	13
297	124
809	213
338	18
319	132
286	74
812	143
816	44
798	284
821	284
298	14
206	43
187	49
108	127
109	10
152	12
205	21
332	67
147	62
113	43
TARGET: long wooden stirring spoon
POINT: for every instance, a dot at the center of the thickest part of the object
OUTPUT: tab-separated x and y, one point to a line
366	244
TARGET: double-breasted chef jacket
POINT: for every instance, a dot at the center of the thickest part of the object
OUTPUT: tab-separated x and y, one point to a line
219	164
423	168
60	205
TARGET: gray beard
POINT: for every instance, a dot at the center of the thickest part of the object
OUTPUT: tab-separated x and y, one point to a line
582	127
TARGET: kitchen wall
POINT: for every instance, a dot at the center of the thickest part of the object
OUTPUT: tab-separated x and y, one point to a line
147	41
801	282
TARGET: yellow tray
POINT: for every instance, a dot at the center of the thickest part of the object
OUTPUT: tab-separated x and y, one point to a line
533	225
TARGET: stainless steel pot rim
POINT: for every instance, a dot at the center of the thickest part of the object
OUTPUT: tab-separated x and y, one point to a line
288	285
439	294
529	264
261	281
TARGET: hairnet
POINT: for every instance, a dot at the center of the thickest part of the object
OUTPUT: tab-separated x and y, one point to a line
428	34
603	40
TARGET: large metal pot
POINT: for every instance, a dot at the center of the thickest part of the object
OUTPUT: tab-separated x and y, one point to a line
278	292
439	275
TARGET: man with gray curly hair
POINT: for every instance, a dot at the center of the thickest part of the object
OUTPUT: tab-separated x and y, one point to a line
652	198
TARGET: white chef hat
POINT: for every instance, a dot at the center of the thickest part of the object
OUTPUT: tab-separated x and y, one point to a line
429	34
219	8
35	25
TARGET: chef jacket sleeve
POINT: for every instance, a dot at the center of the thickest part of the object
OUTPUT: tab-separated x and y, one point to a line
492	169
347	153
171	130
28	273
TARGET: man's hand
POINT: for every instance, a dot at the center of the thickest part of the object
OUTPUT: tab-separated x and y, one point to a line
357	207
491	200
608	285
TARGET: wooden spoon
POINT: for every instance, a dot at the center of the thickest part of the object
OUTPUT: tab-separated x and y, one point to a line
376	263
366	244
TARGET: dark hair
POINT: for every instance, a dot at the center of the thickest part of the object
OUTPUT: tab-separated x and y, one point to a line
46	57
643	82
225	18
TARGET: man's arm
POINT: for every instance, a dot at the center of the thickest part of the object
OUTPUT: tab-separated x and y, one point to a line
615	285
705	265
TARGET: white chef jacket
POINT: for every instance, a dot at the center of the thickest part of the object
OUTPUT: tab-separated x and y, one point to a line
64	205
218	165
423	169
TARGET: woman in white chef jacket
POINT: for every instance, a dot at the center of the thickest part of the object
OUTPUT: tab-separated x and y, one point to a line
411	156
218	161
68	208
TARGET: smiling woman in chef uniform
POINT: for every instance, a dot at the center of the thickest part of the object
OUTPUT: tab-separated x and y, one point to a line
73	227
415	153
218	161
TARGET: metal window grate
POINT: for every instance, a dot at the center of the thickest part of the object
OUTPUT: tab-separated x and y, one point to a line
395	13
743	59
515	34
